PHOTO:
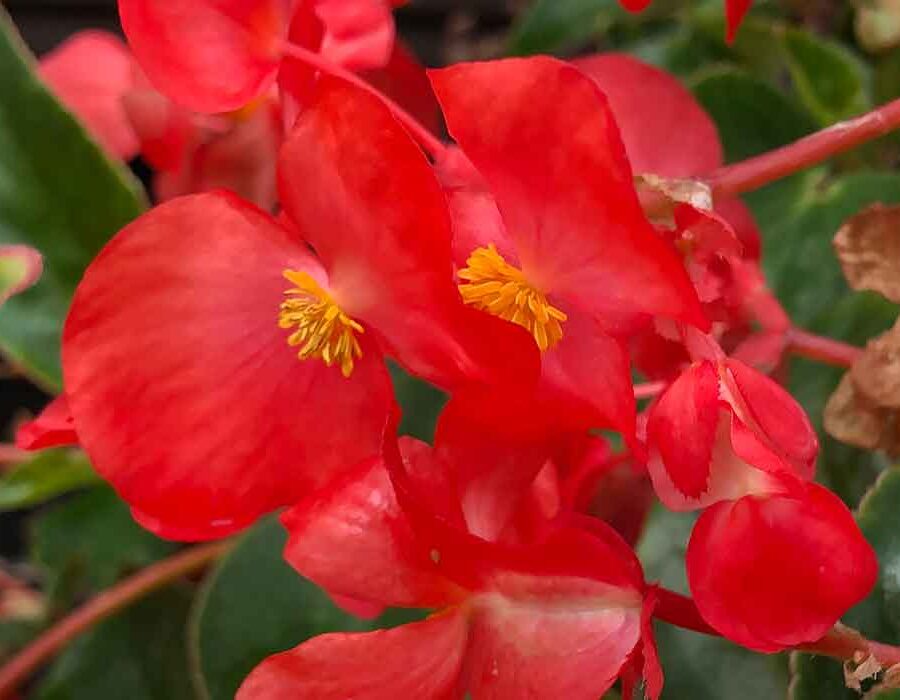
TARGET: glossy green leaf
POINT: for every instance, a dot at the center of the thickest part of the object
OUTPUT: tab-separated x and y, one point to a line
698	666
829	79
877	617
58	193
752	117
553	24
420	402
86	543
45	476
255	605
140	654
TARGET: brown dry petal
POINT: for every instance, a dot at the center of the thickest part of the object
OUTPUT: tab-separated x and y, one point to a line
860	669
659	196
868	246
876	374
849	418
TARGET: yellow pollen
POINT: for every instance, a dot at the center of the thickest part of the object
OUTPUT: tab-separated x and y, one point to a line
322	330
491	284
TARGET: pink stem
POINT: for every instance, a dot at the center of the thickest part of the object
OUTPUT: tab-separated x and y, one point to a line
760	170
822	349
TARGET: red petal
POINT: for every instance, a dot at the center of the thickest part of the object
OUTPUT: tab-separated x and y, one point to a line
550	638
420	660
359	34
494	472
681	428
771	572
542	135
166	131
383	234
738	214
208	55
735	11
646	102
652	671
635	5
184	390
90	73
352	539
586	379
403	79
776	415
54	427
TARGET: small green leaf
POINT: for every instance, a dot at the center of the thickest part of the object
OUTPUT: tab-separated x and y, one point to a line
45	476
140	654
88	542
832	82
550	25
255	605
58	193
421	403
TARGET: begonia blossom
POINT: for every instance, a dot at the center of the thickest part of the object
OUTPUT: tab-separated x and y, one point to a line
556	618
246	365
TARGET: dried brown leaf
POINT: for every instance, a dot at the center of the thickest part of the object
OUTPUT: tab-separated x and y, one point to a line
876	374
868	247
851	419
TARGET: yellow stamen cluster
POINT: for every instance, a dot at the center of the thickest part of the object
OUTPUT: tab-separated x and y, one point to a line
493	285
323	331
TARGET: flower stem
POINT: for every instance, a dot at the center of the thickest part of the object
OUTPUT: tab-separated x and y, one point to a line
105	604
841	642
649	389
432	145
822	349
760	170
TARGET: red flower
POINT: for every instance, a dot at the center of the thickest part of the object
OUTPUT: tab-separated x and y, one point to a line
218	55
570	255
95	76
180	353
722	430
555	619
774	570
774	560
90	72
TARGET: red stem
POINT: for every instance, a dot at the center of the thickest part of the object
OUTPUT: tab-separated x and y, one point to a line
755	172
426	139
23	664
841	642
822	349
649	390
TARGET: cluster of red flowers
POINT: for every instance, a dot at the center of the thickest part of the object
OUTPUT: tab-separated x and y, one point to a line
221	362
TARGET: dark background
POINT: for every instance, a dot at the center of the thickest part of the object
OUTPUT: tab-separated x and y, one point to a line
437	29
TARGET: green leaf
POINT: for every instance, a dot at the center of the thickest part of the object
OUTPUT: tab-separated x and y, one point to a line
697	666
59	194
804	273
255	605
832	82
752	118
48	474
88	542
139	654
877	617
553	24
421	403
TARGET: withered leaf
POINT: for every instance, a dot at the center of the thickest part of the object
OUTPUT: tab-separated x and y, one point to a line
876	374
868	247
853	420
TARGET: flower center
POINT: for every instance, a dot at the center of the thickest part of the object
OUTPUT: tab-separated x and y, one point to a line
493	285
322	330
